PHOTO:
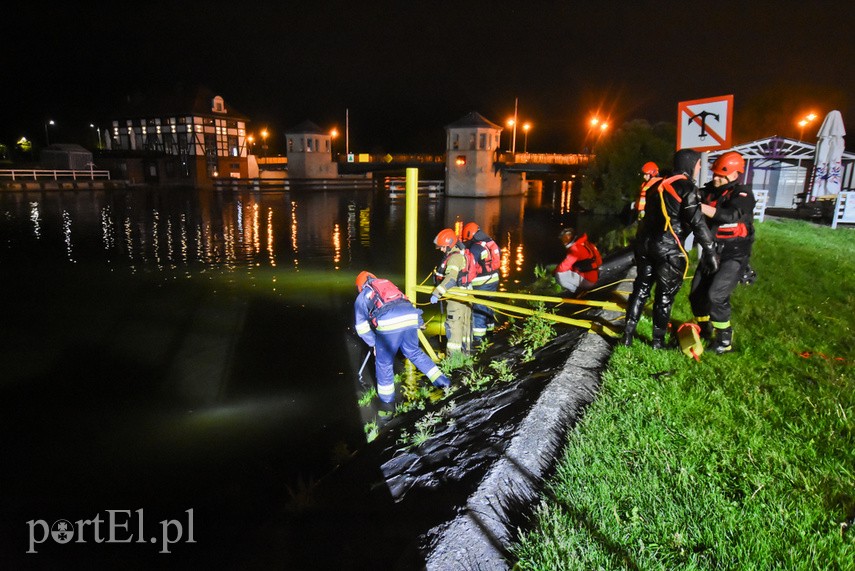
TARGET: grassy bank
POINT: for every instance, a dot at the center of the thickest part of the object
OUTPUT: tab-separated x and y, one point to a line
741	461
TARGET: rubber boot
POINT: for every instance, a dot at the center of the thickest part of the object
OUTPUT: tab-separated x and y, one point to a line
658	338
723	342
706	327
628	333
385	412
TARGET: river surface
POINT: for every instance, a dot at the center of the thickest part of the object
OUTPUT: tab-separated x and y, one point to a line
170	350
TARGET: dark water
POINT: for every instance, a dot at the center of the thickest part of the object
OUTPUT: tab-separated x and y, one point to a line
174	350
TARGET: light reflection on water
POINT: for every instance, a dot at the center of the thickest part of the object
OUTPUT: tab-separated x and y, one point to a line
187	308
158	231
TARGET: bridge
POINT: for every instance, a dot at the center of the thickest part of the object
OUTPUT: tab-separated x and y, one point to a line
530	163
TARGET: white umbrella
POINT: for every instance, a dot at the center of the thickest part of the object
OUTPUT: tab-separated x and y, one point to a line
828	167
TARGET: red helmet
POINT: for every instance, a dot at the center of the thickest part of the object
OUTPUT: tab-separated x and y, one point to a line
470	230
650	168
727	163
362	278
445	239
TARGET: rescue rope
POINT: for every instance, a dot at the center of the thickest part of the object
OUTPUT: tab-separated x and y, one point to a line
670	228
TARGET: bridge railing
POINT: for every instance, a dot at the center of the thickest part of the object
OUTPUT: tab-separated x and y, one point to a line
551	159
53	174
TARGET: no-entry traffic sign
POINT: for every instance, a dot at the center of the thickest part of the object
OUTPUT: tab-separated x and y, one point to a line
704	124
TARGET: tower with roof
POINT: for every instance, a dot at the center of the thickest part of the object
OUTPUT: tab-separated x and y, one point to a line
473	157
309	152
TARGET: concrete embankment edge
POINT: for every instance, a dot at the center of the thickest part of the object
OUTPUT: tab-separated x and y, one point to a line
480	536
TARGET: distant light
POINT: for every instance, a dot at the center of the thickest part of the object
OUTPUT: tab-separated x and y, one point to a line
334	133
461	160
510	122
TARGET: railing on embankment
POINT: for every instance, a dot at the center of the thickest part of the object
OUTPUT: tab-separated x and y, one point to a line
396	187
57	179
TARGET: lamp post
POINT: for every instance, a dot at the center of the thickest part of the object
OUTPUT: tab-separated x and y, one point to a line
47	135
514	144
98	132
526	127
510	124
264	134
250	141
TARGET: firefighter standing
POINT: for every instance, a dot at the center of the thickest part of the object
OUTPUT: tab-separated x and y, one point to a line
487	257
672	211
730	210
388	322
454	270
580	268
650	174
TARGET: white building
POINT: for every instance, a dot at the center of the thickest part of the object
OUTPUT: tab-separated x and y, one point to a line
310	152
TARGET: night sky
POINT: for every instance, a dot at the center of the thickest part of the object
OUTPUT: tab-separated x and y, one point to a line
407	69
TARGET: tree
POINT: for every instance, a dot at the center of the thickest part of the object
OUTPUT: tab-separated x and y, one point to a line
613	179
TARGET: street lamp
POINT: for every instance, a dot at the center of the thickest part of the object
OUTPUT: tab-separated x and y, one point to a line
92	125
250	141
47	135
526	127
264	134
810	117
333	135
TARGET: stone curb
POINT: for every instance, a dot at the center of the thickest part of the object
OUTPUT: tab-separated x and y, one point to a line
479	538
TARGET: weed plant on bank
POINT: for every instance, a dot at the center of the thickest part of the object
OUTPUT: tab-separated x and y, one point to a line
741	461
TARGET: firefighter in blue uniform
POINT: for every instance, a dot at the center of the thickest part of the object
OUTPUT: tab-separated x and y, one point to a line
729	208
488	257
388	322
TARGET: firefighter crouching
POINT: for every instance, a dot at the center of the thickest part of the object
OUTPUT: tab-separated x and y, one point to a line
729	208
488	258
580	268
454	270
388	322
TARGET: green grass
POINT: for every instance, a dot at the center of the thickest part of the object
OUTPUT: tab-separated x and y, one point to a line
741	461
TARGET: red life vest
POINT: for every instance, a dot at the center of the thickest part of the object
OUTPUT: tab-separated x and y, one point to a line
642	196
383	294
466	274
494	260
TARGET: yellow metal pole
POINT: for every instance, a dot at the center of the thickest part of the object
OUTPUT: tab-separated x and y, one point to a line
411	248
412	226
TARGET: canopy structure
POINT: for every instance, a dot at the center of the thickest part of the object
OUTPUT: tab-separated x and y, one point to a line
782	168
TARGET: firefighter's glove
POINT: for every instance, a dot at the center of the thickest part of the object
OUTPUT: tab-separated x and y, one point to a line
434	299
709	261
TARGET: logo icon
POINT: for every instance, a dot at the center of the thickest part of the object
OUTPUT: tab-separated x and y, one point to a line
62	531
